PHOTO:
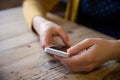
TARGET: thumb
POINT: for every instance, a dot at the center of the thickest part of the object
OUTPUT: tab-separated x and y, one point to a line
85	44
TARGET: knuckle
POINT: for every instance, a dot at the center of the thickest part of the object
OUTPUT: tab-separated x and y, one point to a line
59	28
42	45
89	39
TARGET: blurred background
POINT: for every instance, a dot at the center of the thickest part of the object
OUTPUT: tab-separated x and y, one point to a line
7	4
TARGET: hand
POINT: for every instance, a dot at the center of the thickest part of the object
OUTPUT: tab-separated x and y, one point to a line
96	51
47	30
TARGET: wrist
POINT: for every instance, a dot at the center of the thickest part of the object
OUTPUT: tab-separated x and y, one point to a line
38	21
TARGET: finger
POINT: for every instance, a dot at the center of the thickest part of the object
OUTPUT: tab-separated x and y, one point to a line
85	44
63	59
64	37
46	40
68	60
75	61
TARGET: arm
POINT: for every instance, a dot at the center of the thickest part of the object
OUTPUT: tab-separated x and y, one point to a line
32	8
35	12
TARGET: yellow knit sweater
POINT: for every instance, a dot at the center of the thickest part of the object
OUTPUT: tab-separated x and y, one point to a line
32	8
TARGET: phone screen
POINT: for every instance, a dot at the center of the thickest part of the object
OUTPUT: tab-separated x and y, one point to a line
60	47
59	50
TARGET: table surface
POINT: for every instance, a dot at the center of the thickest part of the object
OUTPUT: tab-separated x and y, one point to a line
21	57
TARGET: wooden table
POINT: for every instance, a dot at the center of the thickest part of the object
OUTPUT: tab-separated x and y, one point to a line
21	57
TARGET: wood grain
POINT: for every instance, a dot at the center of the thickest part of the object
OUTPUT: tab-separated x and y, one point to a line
21	57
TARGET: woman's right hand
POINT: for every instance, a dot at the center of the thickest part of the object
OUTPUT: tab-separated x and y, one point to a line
47	30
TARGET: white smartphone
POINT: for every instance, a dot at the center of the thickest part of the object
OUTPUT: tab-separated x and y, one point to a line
59	50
